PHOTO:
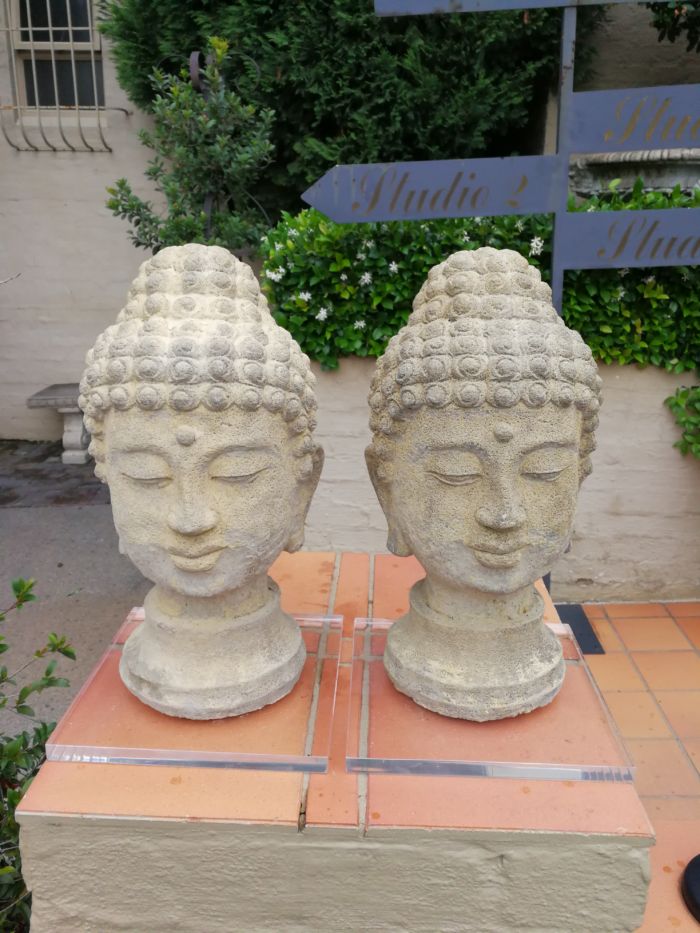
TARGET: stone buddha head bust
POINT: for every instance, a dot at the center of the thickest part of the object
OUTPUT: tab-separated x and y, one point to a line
483	409
201	410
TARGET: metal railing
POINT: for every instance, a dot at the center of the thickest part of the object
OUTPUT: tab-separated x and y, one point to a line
63	115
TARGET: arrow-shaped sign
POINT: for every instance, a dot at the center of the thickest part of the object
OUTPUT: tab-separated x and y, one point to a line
616	239
429	190
633	119
424	7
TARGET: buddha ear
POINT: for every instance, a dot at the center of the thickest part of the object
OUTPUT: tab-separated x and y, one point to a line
396	542
306	492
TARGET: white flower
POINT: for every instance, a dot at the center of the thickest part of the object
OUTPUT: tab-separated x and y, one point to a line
385	227
590	210
361	256
650	280
343	277
304	296
520	225
293	232
621	293
536	245
424	226
622	272
366	278
359	325
368	244
477	220
322	314
466	237
275	275
393	267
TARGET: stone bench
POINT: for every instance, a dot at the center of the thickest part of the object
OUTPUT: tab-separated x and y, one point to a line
64	398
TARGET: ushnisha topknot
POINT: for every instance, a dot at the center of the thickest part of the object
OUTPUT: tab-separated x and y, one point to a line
483	332
197	330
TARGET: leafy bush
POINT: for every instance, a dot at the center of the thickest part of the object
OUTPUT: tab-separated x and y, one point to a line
348	86
209	148
673	20
21	756
345	289
685	405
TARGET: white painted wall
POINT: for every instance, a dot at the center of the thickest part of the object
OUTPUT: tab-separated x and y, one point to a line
637	528
75	259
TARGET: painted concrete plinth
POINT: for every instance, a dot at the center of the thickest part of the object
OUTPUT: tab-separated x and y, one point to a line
140	848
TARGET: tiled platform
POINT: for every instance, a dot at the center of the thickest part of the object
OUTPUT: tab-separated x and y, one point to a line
650	677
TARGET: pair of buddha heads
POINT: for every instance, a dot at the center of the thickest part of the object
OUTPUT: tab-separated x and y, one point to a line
202	410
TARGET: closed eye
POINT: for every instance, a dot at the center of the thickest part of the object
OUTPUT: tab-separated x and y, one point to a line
239	479
543	476
456	479
149	480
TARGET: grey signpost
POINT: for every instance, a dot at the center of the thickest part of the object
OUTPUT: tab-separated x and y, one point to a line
591	121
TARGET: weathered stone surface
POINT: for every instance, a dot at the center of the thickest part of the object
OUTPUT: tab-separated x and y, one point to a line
483	412
201	410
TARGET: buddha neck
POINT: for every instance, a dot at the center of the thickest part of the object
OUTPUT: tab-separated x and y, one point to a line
457	605
202	610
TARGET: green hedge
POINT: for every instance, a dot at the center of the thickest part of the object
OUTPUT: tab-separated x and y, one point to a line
345	289
348	86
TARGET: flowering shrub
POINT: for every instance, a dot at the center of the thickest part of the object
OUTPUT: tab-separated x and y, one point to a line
344	289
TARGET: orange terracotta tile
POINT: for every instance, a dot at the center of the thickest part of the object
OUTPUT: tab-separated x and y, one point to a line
106	714
352	591
662	769
614	672
692	746
305	580
607	635
635	610
672	808
594	611
393	578
165	792
651	634
669	670
680	610
482	803
572	729
332	797
676	844
682	709
691	628
637	715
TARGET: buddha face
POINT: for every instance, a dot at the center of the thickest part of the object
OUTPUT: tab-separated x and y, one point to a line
204	501
484	499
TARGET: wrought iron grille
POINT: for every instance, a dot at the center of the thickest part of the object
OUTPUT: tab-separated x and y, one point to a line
54	71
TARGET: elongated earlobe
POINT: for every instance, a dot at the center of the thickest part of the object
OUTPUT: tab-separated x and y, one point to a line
396	543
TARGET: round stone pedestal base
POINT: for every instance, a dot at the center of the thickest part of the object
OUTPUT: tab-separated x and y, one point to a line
471	670
200	669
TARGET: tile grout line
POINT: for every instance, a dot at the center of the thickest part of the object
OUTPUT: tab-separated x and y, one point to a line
335	579
313	712
370	587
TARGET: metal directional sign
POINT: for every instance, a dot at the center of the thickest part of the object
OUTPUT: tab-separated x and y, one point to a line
618	239
594	121
633	119
424	7
423	190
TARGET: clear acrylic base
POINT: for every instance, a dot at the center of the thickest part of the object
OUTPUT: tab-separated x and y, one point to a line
573	738
107	724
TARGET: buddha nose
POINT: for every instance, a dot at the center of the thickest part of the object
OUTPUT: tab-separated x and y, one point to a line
503	512
191	515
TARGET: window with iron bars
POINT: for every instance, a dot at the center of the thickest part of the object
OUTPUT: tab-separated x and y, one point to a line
55	73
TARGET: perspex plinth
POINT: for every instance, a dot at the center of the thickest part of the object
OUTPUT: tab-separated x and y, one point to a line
573	738
285	736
